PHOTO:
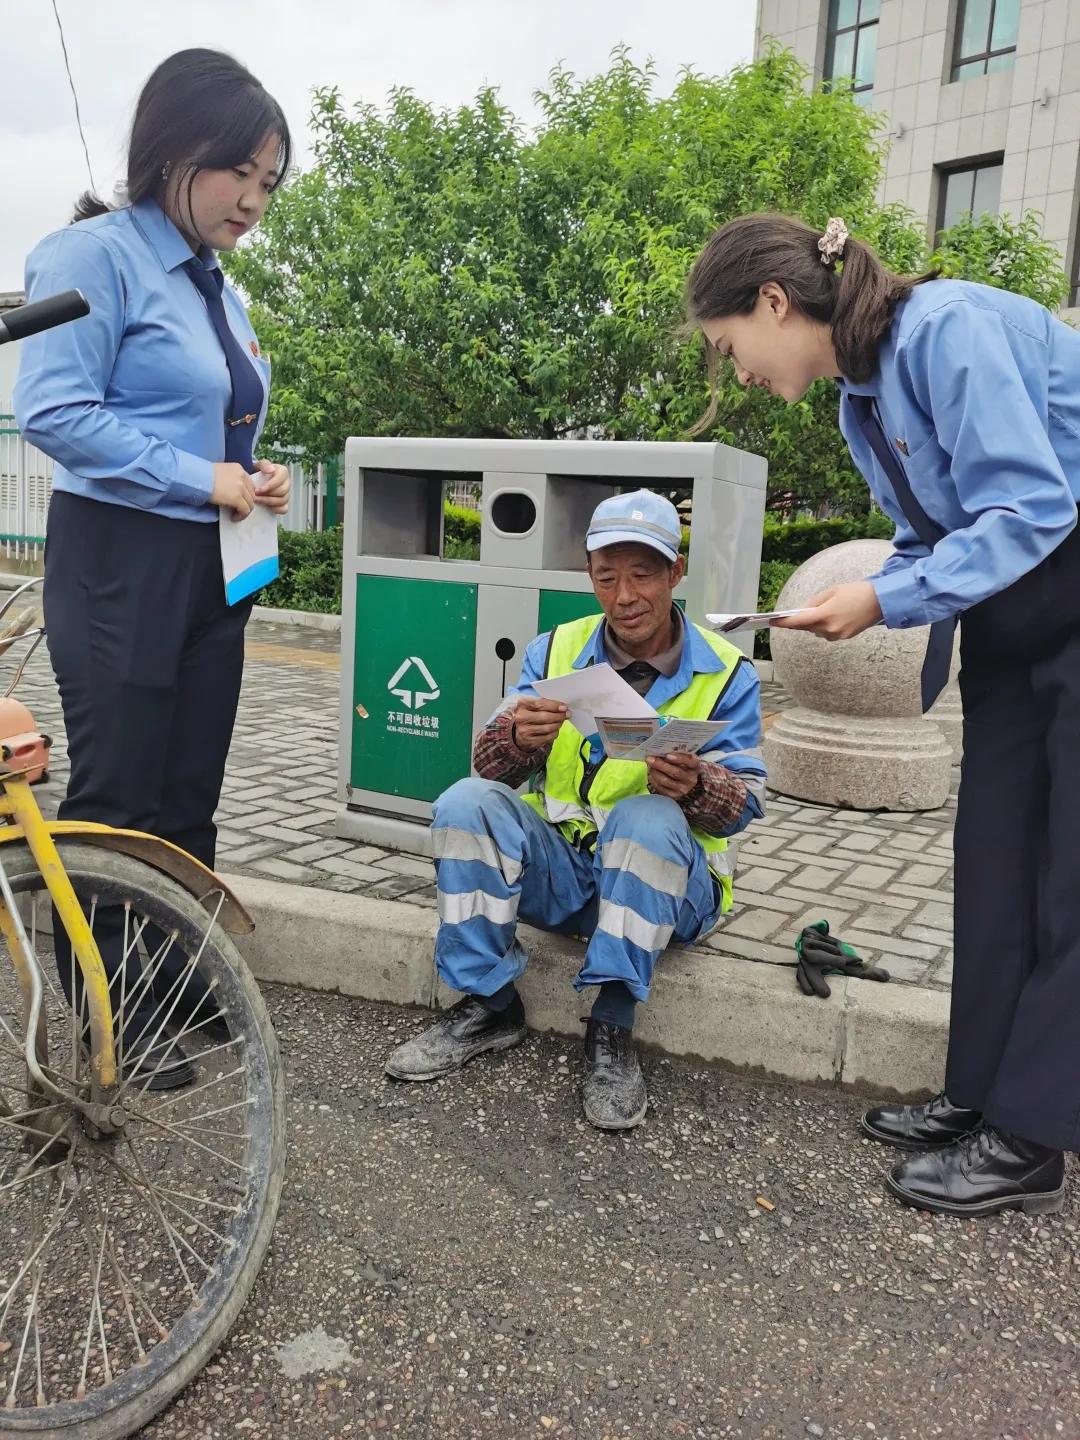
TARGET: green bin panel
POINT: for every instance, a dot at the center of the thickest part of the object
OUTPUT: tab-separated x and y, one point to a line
559	606
413	675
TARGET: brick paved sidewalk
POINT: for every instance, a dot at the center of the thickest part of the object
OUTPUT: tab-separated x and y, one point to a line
883	881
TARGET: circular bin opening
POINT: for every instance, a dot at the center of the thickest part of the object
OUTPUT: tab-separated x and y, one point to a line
512	512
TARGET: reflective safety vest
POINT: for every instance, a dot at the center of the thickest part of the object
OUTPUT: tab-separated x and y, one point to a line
577	796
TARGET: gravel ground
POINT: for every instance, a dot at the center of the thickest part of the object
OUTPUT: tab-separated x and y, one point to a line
469	1259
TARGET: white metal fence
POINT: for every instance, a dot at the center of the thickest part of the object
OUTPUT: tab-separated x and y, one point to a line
25	487
465	493
26	484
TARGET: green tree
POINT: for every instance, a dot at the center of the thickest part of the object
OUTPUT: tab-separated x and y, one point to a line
445	272
997	250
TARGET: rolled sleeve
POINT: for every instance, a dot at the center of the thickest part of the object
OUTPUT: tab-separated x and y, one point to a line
736	750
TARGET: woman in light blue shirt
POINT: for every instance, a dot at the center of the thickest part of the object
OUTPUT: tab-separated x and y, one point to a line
960	405
151	409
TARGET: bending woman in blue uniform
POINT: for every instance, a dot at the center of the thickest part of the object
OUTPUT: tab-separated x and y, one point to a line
960	405
151	408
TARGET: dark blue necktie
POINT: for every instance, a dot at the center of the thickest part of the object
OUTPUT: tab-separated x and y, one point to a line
247	390
939	645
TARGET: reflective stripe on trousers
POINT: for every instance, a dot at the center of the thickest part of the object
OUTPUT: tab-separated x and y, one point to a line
497	861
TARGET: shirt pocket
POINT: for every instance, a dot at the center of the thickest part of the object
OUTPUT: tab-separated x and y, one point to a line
925	460
926	468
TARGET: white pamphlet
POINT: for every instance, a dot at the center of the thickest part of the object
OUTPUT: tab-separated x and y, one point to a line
636	739
249	551
595	690
727	623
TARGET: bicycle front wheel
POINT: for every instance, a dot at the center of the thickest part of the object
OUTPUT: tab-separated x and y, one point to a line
126	1257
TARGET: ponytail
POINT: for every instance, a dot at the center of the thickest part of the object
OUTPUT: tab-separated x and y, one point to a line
828	276
87	206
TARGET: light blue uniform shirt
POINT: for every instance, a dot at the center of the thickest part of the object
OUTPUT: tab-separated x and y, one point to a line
737	747
983	389
130	401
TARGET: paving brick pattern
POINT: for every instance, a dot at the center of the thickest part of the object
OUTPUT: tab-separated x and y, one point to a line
882	881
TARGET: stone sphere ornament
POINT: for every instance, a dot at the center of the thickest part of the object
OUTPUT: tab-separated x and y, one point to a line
857	738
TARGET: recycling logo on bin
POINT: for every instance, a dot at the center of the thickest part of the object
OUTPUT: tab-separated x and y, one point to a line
414	685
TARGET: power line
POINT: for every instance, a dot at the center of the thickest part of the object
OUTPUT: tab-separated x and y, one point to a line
74	96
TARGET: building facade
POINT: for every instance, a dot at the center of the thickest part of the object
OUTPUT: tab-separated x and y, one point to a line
981	99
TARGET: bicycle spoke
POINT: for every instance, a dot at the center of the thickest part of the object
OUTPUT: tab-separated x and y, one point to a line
28	1170
194	1219
182	980
31	1310
142	988
95	1313
186	1127
27	1129
145	1088
170	1231
193	1199
120	1021
34	946
8	1297
76	1019
187	1094
178	1134
221	1110
121	1278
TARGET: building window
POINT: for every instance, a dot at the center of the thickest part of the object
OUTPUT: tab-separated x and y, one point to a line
975	189
852	45
985	37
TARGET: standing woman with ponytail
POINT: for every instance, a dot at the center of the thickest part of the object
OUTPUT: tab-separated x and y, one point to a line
960	405
151	408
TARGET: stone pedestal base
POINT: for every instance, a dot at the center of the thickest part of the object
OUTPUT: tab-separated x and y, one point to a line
858	764
947	715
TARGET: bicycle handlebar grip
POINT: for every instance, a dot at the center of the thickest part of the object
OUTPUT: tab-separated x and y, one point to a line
43	315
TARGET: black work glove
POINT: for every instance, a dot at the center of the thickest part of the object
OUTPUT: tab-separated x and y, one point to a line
822	954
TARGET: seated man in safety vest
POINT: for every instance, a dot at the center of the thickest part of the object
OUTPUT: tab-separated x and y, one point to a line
629	854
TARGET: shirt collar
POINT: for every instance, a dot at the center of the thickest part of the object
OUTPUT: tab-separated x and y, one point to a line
698	656
868	387
664	663
165	239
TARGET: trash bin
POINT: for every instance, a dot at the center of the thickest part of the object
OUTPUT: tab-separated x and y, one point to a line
429	645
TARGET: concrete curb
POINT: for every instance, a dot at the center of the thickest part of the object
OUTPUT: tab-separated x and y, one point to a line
886	1039
305	619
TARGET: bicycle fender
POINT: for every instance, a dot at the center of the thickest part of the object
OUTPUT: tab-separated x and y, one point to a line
195	877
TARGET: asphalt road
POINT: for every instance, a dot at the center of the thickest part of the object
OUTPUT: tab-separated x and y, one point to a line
469	1259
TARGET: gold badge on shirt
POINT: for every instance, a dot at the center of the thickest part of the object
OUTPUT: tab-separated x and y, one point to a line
255	349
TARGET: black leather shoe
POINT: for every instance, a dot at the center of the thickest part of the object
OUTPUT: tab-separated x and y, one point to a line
162	1066
928	1126
467	1029
985	1172
614	1092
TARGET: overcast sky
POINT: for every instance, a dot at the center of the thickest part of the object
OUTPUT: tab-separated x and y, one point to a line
443	49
